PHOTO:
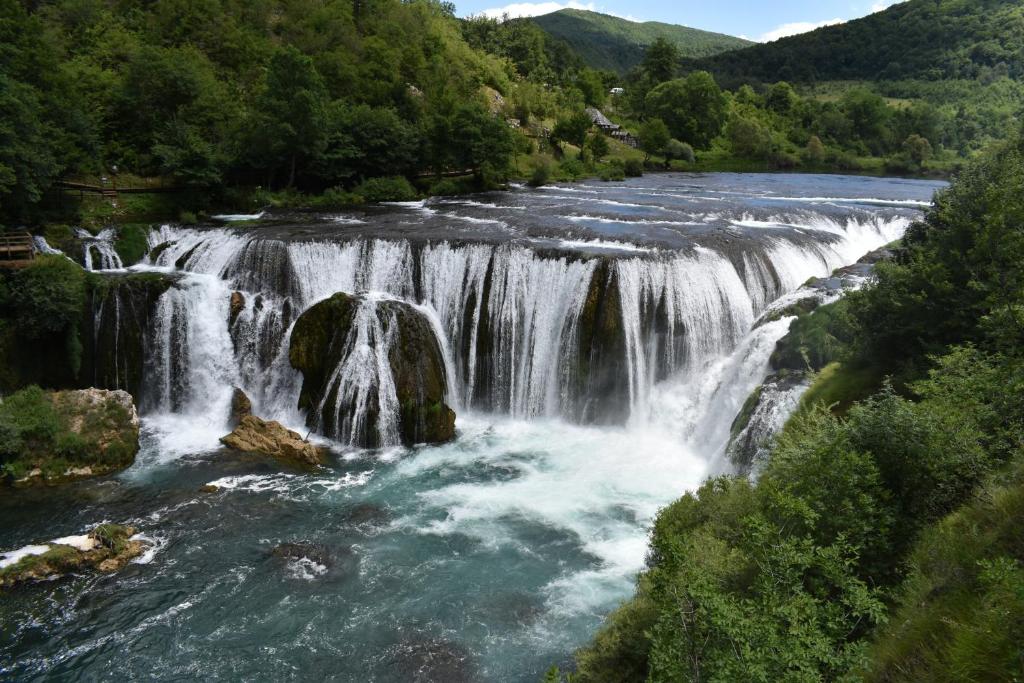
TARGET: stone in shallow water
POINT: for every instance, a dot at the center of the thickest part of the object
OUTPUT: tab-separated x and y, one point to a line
106	548
367	514
306	560
431	660
253	435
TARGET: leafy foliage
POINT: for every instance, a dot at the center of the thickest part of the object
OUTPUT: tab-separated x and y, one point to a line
793	577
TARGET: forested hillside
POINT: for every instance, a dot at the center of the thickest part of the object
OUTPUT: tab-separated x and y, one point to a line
928	40
615	44
216	93
881	541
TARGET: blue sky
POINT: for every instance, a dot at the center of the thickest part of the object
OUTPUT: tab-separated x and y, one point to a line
753	19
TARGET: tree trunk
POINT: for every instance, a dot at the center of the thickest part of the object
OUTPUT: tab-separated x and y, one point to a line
291	174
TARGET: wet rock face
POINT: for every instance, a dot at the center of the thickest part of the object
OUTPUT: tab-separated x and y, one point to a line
373	372
114	329
107	548
241	407
602	383
235	306
253	435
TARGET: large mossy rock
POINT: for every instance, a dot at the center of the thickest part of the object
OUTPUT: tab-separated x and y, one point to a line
52	438
330	332
602	383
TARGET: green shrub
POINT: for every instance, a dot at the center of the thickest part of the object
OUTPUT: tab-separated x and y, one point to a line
815	339
28	423
395	189
541	174
634	168
451	187
335	198
48	297
613	173
131	244
571	169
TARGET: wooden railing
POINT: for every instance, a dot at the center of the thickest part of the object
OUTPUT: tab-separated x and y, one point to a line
16	250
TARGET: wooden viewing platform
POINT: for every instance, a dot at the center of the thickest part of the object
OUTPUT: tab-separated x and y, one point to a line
17	250
114	190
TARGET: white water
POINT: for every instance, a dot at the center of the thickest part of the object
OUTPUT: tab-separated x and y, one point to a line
680	314
98	251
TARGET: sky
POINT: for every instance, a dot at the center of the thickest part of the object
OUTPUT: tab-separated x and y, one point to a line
753	19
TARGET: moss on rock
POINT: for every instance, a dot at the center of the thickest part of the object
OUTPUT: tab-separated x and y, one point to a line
52	438
318	344
106	548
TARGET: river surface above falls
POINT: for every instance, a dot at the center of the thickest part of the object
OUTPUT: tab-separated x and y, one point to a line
486	559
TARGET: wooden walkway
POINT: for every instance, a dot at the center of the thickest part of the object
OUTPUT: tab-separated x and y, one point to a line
17	250
114	190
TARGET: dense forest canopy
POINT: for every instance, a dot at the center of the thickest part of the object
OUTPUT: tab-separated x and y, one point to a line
919	39
277	93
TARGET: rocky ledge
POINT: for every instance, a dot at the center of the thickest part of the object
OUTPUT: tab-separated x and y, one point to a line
81	434
253	435
107	548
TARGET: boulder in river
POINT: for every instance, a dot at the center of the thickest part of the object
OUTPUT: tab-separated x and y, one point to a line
373	372
254	435
106	548
91	432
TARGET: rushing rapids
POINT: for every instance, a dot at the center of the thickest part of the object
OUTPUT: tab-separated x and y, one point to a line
596	342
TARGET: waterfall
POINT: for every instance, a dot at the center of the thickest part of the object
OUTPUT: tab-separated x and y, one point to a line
192	367
509	320
98	251
361	384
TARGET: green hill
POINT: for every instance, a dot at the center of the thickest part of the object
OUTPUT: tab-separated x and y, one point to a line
606	42
928	40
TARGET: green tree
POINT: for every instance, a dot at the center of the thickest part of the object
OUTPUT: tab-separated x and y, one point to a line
598	146
572	129
814	152
654	136
291	111
748	137
694	108
661	60
27	161
918	149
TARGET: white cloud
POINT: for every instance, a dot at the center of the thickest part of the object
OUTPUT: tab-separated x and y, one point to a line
534	9
797	27
885	4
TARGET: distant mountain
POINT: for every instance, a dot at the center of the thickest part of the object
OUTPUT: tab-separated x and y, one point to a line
606	42
927	40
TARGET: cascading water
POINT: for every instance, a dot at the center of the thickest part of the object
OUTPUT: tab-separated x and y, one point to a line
98	252
599	341
509	315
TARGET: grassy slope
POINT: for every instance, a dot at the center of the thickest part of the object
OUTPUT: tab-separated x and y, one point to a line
606	42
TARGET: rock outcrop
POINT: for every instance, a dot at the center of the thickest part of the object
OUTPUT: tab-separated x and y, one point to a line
96	432
253	435
115	326
107	548
373	371
241	407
